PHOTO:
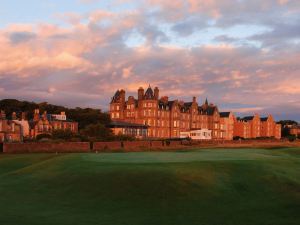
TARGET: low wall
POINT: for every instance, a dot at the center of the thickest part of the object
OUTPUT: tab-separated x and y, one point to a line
65	147
100	146
136	144
46	147
157	144
173	143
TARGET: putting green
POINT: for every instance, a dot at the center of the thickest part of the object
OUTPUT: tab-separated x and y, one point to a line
207	186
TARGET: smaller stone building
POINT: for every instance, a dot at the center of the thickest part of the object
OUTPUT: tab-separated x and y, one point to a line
295	130
46	123
10	131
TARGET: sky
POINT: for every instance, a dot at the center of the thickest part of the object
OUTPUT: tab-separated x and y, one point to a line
243	55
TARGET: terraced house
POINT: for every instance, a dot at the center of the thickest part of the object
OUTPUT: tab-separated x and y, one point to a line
165	118
251	127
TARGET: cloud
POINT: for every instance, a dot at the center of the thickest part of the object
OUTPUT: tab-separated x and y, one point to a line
127	72
19	37
84	62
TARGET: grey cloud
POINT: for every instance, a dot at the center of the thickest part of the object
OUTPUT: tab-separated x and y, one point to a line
190	25
226	39
281	33
20	37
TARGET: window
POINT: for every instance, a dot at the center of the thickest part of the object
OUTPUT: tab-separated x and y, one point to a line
118	107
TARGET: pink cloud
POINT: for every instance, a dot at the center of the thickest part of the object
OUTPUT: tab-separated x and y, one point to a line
88	61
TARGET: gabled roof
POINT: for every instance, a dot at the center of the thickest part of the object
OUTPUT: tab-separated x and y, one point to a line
116	96
149	93
206	102
207	109
211	110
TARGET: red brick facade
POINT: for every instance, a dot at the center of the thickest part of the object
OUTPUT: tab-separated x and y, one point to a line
46	123
254	127
10	131
166	119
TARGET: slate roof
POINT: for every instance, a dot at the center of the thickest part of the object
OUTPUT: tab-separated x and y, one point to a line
163	105
116	96
248	118
224	114
149	93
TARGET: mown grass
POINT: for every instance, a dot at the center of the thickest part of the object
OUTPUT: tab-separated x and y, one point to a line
208	186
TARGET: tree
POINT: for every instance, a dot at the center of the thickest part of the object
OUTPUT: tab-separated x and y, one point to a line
97	132
84	117
287	122
62	134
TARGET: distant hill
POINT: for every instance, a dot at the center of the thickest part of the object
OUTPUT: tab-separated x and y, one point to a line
84	116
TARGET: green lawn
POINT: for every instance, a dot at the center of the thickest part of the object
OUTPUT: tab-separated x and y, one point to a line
201	187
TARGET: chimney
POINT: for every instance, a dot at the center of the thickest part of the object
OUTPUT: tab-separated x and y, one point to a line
164	99
23	116
140	93
45	115
3	115
14	116
194	99
130	99
36	116
156	93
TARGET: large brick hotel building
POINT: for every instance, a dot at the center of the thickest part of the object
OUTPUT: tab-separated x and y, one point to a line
168	119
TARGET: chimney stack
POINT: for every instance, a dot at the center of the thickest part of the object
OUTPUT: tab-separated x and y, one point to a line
140	93
45	115
14	116
23	116
194	99
164	99
3	115
156	93
36	116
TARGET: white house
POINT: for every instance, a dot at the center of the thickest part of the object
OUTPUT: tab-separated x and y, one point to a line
203	134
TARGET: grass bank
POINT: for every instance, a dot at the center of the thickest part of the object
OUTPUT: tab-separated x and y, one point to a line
205	186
